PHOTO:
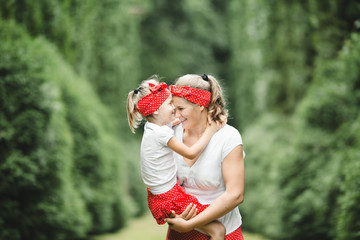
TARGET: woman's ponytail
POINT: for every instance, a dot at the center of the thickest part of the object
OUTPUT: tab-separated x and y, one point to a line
217	107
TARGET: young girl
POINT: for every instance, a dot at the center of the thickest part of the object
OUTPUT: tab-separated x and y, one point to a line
152	100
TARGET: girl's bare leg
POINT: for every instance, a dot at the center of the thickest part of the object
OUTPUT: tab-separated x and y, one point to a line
215	229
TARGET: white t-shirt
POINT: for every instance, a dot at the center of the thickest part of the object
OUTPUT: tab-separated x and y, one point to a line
158	169
204	179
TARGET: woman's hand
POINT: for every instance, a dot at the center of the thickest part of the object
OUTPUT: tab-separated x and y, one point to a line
180	222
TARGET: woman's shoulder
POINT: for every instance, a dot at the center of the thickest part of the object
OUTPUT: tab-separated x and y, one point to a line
229	137
228	129
227	134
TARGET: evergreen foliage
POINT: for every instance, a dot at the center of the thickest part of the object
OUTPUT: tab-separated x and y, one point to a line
38	197
190	33
308	80
68	164
58	147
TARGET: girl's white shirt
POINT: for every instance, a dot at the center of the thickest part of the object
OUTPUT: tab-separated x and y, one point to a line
158	168
204	179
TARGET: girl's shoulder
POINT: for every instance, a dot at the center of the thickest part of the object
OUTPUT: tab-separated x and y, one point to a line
163	134
160	133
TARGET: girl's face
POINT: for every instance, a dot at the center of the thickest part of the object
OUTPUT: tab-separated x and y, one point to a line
166	112
188	113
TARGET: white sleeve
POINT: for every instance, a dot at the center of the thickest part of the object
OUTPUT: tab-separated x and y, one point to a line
232	139
164	134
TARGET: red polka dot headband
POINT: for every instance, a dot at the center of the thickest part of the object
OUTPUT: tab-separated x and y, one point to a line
151	102
198	96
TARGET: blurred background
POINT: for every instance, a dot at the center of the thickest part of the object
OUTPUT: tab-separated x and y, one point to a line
69	165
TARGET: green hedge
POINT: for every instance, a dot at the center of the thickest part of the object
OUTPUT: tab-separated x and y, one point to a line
269	146
301	178
275	47
100	40
326	150
63	174
69	164
297	70
38	199
178	37
348	224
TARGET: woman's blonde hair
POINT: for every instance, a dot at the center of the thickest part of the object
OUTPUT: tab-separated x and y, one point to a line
134	96
217	106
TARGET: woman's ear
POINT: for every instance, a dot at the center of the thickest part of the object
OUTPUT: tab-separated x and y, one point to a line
201	108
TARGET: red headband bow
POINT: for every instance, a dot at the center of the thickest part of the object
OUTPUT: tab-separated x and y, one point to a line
157	96
198	96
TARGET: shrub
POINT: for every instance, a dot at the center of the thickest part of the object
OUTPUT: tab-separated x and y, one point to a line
62	171
326	149
38	198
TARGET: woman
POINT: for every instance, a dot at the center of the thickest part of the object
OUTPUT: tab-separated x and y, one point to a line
217	176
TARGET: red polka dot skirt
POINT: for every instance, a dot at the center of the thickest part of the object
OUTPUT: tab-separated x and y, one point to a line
175	199
195	235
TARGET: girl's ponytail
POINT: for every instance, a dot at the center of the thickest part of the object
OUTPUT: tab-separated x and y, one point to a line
134	118
134	96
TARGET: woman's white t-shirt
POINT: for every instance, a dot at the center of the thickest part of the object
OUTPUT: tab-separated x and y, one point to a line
204	179
158	169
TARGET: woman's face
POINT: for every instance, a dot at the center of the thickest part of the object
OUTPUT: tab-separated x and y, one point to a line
189	114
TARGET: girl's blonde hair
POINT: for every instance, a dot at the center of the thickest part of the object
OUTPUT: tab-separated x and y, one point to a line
217	106
134	117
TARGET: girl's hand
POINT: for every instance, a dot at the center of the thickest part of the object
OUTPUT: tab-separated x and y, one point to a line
215	126
175	122
223	120
211	126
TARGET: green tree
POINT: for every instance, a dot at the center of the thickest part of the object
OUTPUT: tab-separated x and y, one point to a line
303	96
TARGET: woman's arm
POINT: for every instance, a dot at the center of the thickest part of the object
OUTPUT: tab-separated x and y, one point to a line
197	148
234	178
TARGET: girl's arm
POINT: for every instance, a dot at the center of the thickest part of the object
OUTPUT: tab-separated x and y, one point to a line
234	178
197	148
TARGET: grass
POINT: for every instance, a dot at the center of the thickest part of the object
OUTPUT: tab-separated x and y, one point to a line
146	228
